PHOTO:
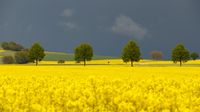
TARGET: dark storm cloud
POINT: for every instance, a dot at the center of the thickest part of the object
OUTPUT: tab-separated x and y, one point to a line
107	24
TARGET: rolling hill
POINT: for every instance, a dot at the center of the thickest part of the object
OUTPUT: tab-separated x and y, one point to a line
55	56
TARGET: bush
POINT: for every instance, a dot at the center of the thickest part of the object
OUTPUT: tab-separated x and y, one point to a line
8	60
194	55
12	46
61	61
156	55
22	57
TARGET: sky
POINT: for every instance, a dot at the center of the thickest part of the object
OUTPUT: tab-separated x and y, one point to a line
60	25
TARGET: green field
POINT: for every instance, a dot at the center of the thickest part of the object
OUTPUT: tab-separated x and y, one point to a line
55	56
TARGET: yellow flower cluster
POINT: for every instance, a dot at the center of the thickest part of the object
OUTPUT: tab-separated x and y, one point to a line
99	89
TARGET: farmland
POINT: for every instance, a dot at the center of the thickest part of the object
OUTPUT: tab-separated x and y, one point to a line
99	56
53	56
104	84
99	88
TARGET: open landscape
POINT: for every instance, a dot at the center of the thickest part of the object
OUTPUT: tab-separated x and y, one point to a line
104	84
99	56
57	83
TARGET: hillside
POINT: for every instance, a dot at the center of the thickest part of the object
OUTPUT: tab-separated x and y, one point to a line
54	56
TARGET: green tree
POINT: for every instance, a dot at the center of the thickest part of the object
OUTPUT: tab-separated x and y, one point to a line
180	54
84	52
12	46
22	57
194	55
5	45
36	53
156	55
131	52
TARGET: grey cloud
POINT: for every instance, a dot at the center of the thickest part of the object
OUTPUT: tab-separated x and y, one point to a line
67	13
126	26
69	25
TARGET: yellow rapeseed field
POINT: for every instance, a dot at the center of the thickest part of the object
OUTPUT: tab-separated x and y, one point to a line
120	62
99	89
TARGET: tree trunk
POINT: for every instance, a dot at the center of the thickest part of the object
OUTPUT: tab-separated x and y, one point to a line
36	62
131	63
84	62
180	63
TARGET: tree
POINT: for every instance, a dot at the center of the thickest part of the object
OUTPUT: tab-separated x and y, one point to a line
156	55
131	52
180	54
13	46
194	55
84	52
8	60
36	53
5	45
22	57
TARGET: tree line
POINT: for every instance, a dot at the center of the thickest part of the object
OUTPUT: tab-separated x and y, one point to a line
35	54
180	54
84	52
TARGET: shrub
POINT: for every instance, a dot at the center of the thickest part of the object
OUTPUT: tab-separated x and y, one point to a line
194	55
61	61
8	60
156	55
22	57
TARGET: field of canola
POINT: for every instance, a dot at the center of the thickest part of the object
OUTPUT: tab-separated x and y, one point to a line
99	89
120	62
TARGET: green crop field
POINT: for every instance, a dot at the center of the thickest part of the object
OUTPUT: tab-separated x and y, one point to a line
54	56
